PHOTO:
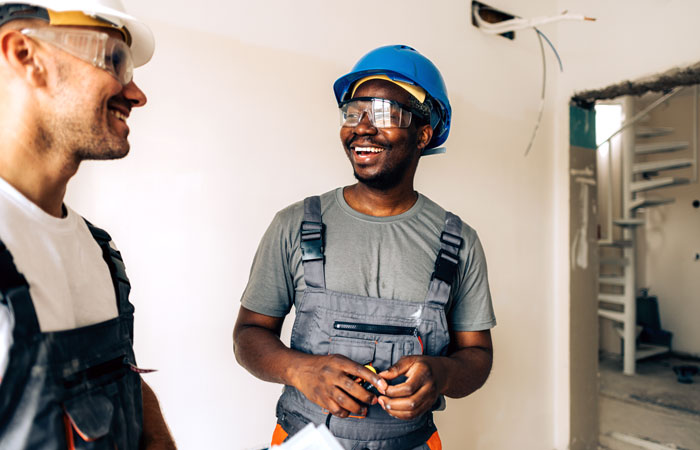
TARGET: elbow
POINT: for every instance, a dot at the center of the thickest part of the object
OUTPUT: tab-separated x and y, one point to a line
237	343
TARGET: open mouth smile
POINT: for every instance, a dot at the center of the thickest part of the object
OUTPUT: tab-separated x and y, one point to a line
367	151
119	115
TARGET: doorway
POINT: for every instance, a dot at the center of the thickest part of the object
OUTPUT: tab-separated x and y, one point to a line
635	268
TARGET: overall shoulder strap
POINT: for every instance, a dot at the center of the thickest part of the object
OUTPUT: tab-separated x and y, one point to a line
117	270
312	243
14	292
447	262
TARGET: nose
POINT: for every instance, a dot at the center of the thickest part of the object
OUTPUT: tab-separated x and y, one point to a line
134	94
365	125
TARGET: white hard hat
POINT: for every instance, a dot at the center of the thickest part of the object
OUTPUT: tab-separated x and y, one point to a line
142	41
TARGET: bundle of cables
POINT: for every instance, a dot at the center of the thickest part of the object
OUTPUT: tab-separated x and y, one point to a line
518	23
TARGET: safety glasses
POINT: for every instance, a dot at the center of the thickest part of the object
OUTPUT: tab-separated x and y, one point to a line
94	47
382	113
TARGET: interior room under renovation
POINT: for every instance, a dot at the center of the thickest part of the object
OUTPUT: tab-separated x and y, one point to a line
573	152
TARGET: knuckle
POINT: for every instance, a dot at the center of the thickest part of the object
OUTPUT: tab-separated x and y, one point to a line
348	384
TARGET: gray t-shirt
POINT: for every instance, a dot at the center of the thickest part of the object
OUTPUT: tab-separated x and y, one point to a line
388	257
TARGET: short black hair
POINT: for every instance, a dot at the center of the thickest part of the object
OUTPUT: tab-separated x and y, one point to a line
424	109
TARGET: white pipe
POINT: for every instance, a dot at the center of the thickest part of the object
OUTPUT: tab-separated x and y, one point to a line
520	24
646	110
629	233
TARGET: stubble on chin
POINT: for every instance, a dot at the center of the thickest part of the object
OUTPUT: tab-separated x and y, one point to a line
96	143
387	178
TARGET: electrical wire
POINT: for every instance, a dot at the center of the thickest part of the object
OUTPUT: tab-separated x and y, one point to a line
518	23
556	53
541	35
542	97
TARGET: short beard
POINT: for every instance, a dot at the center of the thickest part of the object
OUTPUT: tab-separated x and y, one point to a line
93	144
387	179
83	142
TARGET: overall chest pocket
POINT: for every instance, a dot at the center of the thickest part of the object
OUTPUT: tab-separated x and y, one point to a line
102	407
377	344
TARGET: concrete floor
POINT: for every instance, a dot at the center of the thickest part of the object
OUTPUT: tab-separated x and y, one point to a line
650	410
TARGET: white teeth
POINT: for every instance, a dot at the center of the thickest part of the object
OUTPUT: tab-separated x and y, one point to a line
369	149
118	115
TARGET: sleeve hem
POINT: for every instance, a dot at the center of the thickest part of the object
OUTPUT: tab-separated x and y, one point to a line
480	326
264	311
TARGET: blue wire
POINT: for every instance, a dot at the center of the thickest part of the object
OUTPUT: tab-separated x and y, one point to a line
561	66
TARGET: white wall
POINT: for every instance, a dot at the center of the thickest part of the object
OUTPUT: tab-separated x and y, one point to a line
672	236
238	127
241	122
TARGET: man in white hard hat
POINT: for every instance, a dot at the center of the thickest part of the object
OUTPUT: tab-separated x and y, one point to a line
68	375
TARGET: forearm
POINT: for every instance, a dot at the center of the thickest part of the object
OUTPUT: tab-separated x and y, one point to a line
263	354
156	435
327	380
463	371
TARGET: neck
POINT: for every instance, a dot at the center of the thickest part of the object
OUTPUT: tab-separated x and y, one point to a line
39	172
380	203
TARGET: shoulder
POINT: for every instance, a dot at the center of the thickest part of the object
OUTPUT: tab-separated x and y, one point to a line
436	214
293	214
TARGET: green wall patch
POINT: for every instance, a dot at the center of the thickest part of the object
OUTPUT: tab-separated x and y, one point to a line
582	127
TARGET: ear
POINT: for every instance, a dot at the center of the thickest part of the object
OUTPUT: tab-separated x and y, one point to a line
425	134
19	53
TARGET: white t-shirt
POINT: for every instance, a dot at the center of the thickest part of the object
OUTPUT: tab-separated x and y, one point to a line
69	281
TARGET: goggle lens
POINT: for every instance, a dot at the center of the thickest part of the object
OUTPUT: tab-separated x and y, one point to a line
94	47
382	113
118	62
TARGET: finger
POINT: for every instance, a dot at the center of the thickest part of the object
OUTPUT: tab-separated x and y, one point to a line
398	369
354	389
409	407
405	389
403	403
367	375
335	409
399	414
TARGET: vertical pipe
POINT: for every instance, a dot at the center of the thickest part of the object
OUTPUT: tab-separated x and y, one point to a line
610	236
695	135
630	312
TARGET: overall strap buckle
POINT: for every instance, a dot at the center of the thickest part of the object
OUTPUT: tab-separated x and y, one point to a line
311	241
447	261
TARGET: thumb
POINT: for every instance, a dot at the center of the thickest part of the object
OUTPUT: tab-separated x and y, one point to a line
398	369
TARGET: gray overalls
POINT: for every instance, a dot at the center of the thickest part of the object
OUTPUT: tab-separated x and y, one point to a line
368	330
74	389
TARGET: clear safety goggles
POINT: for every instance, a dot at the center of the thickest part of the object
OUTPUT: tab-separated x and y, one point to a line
382	113
94	47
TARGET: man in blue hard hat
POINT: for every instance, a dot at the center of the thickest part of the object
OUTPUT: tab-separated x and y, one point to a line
393	309
68	374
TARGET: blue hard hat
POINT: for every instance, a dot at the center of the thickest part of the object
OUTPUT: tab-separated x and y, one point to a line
403	63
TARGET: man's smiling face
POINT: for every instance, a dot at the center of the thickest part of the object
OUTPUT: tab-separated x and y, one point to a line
381	157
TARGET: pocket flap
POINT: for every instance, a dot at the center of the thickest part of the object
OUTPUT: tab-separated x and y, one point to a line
359	350
90	414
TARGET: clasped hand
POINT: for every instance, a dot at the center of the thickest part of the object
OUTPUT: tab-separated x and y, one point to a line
330	382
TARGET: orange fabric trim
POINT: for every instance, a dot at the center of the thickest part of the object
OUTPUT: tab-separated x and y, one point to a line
279	435
434	443
69	431
69	421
